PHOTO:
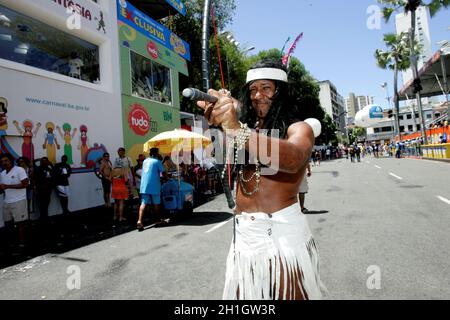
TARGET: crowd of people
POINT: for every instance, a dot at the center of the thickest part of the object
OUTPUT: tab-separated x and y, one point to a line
22	182
439	124
26	188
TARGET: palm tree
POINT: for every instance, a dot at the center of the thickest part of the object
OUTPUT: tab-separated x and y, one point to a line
395	58
411	6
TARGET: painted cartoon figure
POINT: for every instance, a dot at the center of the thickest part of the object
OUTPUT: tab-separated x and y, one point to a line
67	137
3	116
83	146
101	23
50	142
28	134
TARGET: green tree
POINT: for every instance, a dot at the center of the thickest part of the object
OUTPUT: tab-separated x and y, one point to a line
234	67
328	131
357	134
390	6
189	28
396	58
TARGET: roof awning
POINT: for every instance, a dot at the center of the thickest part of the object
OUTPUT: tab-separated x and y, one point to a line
156	9
427	75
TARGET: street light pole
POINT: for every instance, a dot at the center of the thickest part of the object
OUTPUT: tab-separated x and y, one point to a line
384	85
339	120
205	46
230	38
244	51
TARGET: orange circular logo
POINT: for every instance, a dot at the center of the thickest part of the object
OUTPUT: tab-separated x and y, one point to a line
152	49
139	120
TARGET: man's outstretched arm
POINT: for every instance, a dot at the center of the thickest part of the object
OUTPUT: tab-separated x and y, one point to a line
293	153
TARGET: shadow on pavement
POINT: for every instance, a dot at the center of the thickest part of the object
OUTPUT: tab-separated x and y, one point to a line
412	187
316	212
79	229
200	219
335	174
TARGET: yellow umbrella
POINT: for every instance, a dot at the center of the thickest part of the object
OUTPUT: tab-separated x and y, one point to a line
176	140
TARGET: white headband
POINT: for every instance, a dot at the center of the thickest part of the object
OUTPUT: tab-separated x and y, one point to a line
267	73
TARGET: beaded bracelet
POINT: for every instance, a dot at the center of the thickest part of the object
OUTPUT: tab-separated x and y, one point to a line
243	136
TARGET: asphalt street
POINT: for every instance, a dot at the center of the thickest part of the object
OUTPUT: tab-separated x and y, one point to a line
381	227
383	215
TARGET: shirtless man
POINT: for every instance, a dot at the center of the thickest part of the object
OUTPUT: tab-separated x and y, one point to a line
270	228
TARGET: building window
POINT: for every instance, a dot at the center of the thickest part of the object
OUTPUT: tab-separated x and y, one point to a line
376	130
408	116
402	128
410	128
417	116
418	127
150	80
429	116
386	129
400	117
28	41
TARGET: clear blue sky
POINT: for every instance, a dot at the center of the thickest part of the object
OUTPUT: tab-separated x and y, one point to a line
337	44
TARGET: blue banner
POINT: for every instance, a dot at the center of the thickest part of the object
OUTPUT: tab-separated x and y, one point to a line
178	4
375	112
128	14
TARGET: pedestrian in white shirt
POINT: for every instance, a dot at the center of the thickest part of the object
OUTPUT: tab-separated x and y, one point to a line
14	182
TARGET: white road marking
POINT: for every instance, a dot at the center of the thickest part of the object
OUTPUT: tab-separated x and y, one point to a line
368	162
443	199
218	226
395	176
378	167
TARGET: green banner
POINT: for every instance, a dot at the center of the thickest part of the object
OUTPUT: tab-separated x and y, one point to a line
142	121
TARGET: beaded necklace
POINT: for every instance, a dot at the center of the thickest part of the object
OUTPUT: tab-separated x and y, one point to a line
242	180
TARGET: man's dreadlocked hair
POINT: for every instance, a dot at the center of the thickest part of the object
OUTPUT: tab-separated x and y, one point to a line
283	111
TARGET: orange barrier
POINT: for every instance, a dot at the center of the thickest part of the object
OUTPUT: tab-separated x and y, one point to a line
432	134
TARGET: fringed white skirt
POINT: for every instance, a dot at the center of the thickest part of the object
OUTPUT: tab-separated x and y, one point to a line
273	257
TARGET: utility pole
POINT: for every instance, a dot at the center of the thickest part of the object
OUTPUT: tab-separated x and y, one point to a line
444	76
416	84
205	46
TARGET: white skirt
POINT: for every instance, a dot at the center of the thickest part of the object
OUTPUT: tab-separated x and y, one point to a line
270	249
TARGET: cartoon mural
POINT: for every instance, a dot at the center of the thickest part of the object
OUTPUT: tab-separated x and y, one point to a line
3	117
68	111
50	142
67	137
101	22
93	156
28	134
83	146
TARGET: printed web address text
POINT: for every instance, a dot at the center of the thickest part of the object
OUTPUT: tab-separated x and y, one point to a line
57	104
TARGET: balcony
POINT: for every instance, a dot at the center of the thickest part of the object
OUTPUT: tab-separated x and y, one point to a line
380	136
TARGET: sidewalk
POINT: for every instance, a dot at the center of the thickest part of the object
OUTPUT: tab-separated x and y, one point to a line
76	230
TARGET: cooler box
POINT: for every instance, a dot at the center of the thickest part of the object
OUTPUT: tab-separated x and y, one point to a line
174	200
170	195
186	195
